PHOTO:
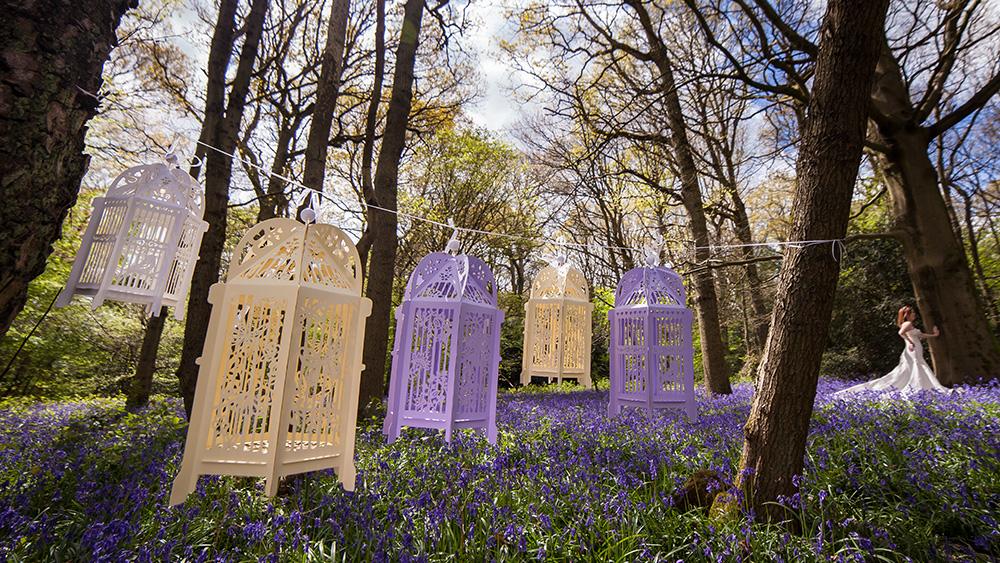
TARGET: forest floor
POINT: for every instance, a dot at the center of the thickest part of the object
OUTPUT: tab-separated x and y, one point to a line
887	478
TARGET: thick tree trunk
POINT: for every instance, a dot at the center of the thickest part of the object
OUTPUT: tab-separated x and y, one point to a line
381	224
827	167
327	91
52	54
967	350
142	381
713	352
220	130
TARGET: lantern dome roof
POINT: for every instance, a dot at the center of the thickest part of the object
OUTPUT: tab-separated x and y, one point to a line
161	182
650	285
285	250
452	277
557	281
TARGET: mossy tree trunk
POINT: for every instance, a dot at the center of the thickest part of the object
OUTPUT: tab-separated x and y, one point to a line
52	54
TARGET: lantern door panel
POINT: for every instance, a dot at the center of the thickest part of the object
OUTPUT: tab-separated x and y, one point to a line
428	349
254	354
672	356
476	386
321	357
546	335
630	354
148	244
179	275
102	242
576	338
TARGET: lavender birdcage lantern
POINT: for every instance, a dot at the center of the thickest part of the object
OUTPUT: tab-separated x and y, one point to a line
142	240
652	357
557	326
447	348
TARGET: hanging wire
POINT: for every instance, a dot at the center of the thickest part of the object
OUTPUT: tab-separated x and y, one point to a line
837	245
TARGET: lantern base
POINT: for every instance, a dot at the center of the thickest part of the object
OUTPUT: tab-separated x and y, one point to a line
553	376
392	427
618	404
152	304
187	479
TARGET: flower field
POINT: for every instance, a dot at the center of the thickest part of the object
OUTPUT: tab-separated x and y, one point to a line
886	479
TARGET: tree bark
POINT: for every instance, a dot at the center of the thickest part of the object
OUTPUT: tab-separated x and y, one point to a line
967	351
382	225
219	129
275	201
52	54
318	141
706	300
827	167
371	122
142	381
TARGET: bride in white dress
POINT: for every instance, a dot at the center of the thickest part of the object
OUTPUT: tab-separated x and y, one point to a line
912	373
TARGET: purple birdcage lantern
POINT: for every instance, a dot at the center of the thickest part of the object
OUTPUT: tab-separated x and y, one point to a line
447	347
652	357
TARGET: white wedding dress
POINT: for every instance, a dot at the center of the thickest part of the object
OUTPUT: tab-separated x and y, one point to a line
912	373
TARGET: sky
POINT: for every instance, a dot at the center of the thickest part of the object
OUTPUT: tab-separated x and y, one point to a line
496	109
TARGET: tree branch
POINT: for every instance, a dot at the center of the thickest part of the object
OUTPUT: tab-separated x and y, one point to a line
977	101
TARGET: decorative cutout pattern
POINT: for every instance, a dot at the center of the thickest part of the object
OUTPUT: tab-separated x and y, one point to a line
241	409
475	352
652	358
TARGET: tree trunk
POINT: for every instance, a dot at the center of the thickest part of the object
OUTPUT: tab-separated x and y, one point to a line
275	201
382	225
327	92
142	381
829	155
53	54
371	122
706	300
219	129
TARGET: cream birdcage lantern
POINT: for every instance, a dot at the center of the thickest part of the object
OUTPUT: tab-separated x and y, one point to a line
278	383
142	240
557	326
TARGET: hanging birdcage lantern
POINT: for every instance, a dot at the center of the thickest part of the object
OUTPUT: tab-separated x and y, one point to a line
142	240
651	351
279	378
446	354
557	326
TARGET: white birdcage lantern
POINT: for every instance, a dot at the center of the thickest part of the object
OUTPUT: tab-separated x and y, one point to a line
557	326
142	240
279	377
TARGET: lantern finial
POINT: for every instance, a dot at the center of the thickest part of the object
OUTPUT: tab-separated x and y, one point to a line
454	246
562	256
652	252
